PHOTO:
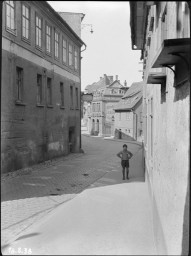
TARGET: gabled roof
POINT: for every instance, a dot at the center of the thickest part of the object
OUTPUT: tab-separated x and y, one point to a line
92	87
128	104
117	83
131	97
133	89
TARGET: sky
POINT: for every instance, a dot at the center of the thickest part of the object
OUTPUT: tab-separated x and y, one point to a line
109	48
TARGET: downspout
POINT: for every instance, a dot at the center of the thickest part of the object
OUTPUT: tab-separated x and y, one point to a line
81	150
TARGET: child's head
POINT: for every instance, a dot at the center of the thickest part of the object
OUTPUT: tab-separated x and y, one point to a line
125	146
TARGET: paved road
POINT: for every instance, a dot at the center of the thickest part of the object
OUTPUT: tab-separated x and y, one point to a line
28	198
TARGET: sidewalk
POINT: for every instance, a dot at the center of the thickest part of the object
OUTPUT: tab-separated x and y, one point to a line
111	217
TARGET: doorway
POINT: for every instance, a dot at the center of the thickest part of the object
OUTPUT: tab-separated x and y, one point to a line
71	136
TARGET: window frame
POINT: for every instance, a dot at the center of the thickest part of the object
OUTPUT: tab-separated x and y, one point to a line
76	58
48	25
8	29
40	18
56	32
29	23
64	39
70	52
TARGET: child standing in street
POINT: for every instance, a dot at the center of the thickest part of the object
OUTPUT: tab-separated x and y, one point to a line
125	155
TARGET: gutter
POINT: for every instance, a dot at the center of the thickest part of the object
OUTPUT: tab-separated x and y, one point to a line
132	4
133	23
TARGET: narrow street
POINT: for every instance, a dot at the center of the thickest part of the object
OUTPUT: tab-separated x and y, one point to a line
50	216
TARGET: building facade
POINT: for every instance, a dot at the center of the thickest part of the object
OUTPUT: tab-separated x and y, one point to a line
40	94
106	94
128	114
161	30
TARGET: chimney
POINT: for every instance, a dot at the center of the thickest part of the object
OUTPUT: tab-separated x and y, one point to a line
106	79
125	83
116	77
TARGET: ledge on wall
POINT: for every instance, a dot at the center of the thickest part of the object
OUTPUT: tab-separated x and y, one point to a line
171	52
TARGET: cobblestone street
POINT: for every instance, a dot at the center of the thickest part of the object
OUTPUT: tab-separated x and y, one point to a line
32	193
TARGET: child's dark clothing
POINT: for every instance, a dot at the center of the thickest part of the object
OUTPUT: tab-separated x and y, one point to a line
125	163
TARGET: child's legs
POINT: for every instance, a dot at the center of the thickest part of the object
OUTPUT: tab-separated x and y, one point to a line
123	168
127	171
123	171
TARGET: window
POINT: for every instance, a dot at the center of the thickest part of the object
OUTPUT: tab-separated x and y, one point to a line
49	91
70	55
25	21
56	44
64	50
62	94
10	16
71	97
98	106
39	89
48	39
19	82
77	102
75	59
38	31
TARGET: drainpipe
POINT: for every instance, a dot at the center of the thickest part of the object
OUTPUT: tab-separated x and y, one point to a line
81	99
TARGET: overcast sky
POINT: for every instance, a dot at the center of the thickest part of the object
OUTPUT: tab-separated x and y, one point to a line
109	47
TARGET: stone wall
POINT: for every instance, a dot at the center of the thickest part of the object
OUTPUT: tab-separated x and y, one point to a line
31	133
